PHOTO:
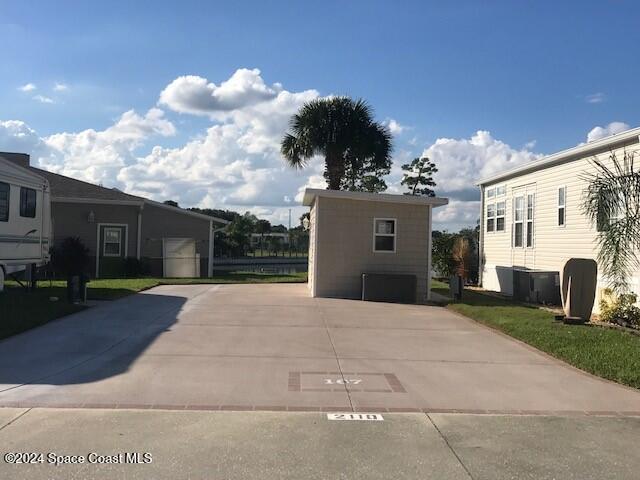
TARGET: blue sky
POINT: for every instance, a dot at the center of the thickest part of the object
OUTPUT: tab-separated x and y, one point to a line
533	77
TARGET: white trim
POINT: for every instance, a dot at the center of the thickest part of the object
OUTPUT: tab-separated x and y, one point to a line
503	217
481	238
394	235
565	155
429	250
532	220
126	241
311	193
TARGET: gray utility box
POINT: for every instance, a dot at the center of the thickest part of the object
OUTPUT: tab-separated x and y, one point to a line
389	287
536	286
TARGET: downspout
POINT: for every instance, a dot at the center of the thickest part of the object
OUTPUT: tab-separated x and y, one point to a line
139	231
210	259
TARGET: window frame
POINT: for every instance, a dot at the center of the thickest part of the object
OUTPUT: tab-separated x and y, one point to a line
8	215
516	221
104	241
24	202
562	207
503	216
491	218
393	235
530	221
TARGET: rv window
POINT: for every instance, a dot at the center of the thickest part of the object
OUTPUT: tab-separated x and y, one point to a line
384	235
112	242
5	190
27	202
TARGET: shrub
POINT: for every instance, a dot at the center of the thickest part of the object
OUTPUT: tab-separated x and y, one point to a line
70	257
620	309
135	268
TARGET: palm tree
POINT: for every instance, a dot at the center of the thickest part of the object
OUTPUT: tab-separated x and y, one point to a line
341	129
612	203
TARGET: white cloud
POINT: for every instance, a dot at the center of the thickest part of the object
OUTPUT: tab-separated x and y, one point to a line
98	156
43	99
196	95
394	126
461	162
601	132
595	98
235	163
60	87
27	87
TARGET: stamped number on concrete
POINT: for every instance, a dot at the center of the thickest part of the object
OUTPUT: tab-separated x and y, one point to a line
373	417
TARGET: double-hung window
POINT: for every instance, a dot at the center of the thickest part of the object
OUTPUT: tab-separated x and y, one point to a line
518	222
27	202
495	211
384	235
530	212
562	206
500	211
491	217
5	191
112	242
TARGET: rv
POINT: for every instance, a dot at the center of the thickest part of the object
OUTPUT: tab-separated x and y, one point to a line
25	218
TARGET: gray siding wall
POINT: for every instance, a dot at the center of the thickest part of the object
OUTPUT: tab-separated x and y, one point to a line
71	220
344	248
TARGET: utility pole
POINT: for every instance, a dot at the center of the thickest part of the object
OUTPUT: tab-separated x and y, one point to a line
289	234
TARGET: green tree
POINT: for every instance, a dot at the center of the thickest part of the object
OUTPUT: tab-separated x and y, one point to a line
612	204
418	177
343	131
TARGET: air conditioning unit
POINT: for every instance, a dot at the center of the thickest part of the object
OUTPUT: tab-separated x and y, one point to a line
536	286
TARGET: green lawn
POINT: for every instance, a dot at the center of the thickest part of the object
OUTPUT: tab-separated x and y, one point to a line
21	310
608	353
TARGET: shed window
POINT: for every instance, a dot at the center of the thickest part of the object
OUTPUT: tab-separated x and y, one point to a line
112	242
5	189
491	192
518	224
501	190
562	205
27	202
384	235
491	217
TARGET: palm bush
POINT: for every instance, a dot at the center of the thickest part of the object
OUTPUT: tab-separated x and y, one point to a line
612	203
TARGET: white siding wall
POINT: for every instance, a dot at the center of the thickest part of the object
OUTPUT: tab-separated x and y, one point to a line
553	244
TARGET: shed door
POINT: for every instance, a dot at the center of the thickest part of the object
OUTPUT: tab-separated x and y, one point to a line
179	258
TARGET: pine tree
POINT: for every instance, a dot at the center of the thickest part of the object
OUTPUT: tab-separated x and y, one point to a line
418	177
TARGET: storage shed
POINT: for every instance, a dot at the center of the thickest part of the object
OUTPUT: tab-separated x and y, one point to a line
386	238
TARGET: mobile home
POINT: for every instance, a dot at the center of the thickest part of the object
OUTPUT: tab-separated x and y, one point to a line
532	220
25	218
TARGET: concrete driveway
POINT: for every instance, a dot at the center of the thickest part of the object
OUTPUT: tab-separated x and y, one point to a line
271	347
